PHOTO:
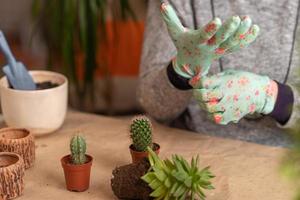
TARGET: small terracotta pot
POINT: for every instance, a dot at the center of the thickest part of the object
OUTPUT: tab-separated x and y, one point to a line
138	156
77	176
12	171
19	141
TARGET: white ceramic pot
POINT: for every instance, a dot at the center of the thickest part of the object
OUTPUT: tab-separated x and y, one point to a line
41	111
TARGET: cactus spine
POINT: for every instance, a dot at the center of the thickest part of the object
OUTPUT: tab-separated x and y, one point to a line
141	133
78	149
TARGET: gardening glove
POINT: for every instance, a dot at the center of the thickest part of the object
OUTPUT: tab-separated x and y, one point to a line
230	95
196	49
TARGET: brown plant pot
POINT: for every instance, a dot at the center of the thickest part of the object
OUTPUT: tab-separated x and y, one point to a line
138	156
77	176
19	141
12	170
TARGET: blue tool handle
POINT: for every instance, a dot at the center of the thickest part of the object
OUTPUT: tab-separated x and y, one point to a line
6	51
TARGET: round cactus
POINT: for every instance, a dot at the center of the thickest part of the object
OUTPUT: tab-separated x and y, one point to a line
78	149
141	133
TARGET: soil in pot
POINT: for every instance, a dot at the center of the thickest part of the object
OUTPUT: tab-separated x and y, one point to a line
126	181
138	156
46	85
12	171
77	176
19	141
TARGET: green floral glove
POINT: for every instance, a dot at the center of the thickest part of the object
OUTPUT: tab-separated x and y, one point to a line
196	49
230	95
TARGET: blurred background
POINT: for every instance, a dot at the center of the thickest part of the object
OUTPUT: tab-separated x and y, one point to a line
96	44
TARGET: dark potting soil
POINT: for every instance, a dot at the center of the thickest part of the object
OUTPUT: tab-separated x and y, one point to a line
46	85
126	182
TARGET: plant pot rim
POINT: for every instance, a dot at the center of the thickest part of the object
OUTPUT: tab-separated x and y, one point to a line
4	85
67	158
17	156
142	152
6	129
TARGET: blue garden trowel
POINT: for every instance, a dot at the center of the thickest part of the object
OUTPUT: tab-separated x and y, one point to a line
16	73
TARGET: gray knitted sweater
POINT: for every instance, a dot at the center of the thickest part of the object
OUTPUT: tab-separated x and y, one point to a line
274	54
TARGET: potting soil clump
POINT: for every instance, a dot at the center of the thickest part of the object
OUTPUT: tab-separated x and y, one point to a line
126	182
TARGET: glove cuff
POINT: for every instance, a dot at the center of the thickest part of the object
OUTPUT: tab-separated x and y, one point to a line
284	104
271	95
182	70
177	81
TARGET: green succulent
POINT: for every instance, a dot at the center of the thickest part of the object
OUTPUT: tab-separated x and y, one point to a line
141	133
78	150
176	179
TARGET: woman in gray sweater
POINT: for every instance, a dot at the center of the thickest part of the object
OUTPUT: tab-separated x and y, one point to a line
167	95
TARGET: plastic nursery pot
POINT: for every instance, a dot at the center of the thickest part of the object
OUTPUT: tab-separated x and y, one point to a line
19	141
12	171
138	156
41	111
77	176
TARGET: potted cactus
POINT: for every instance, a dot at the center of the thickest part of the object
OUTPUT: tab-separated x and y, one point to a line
77	165
161	179
141	135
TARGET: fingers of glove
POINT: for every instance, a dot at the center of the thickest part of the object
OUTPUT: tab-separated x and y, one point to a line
218	118
195	81
209	30
238	36
250	36
210	96
212	81
199	93
224	118
244	27
214	106
228	29
171	19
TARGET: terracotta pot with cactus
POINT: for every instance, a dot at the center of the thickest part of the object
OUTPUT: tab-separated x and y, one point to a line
77	166
161	179
19	141
12	170
141	135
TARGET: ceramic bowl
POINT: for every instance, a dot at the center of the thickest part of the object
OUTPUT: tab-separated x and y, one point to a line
40	111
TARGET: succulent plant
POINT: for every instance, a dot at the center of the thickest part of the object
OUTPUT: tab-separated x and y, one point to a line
141	133
176	179
78	149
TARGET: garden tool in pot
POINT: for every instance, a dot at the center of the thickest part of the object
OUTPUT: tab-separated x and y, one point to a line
16	73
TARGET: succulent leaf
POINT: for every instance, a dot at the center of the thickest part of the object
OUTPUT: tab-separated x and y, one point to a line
176	179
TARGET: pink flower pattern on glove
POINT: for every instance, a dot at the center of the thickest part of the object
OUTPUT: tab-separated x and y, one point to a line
230	95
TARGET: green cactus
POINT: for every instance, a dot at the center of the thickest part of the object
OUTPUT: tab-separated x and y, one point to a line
78	149
141	133
176	179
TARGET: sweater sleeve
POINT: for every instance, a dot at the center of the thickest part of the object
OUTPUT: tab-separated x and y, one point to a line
158	97
293	122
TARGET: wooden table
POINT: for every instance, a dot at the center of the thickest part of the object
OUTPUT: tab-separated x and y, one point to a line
244	171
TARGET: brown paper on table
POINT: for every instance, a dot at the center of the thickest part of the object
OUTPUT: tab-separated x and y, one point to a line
244	171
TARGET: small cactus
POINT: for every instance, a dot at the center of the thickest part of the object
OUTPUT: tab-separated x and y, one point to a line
78	149
141	133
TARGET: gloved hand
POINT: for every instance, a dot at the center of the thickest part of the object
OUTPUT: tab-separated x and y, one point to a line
196	49
230	95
